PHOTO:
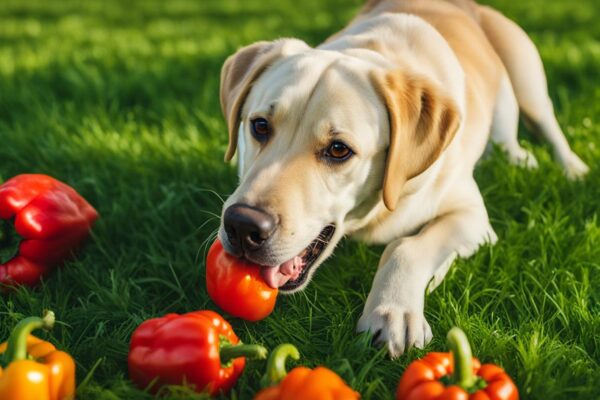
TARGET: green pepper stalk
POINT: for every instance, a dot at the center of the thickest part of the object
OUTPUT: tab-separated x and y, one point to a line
9	244
230	352
463	375
3	232
276	364
16	349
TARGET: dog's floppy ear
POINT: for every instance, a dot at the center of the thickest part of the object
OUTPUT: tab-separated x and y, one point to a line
239	73
422	120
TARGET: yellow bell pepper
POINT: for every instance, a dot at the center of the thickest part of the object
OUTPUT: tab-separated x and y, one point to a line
32	369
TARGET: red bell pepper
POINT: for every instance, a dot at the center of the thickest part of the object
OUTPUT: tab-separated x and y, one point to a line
301	383
237	286
50	216
198	348
455	376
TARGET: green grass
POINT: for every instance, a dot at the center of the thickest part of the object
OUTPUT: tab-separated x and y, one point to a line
120	99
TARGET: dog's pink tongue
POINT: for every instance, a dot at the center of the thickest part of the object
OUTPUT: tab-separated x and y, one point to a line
279	275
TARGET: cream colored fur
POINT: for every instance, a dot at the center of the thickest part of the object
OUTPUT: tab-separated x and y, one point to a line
416	89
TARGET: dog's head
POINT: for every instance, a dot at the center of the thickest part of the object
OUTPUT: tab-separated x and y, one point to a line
323	137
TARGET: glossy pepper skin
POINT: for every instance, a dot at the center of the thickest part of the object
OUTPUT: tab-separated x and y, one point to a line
49	375
301	383
198	348
50	216
466	378
236	285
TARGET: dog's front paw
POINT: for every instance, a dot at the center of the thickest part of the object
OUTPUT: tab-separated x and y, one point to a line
396	327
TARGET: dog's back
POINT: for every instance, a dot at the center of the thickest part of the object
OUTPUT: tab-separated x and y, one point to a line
468	6
458	23
501	64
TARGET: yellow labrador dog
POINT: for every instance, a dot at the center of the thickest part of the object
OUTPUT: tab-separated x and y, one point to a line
374	134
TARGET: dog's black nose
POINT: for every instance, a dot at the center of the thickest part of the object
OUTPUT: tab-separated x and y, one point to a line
247	227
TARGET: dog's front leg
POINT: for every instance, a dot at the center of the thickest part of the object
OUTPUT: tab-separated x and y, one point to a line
394	309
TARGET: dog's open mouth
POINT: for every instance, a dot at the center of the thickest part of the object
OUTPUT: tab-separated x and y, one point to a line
293	273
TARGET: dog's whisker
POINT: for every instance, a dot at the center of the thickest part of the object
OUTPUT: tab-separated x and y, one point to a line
211	191
203	248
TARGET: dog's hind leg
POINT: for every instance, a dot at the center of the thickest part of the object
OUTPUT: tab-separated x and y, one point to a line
505	126
526	71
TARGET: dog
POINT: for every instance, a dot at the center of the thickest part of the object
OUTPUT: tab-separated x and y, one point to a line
375	134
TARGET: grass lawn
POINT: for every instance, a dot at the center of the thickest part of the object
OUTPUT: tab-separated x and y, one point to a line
120	99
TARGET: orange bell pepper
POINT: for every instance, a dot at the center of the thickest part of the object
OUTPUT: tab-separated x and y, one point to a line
32	369
455	376
301	383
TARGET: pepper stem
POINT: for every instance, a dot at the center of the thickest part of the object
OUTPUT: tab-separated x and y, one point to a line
3	231
229	352
17	342
9	240
276	364
463	361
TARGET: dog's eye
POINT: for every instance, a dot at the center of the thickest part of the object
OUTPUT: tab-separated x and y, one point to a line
260	129
338	151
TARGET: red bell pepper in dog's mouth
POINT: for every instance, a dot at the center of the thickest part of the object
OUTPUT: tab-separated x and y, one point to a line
236	286
50	217
248	290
